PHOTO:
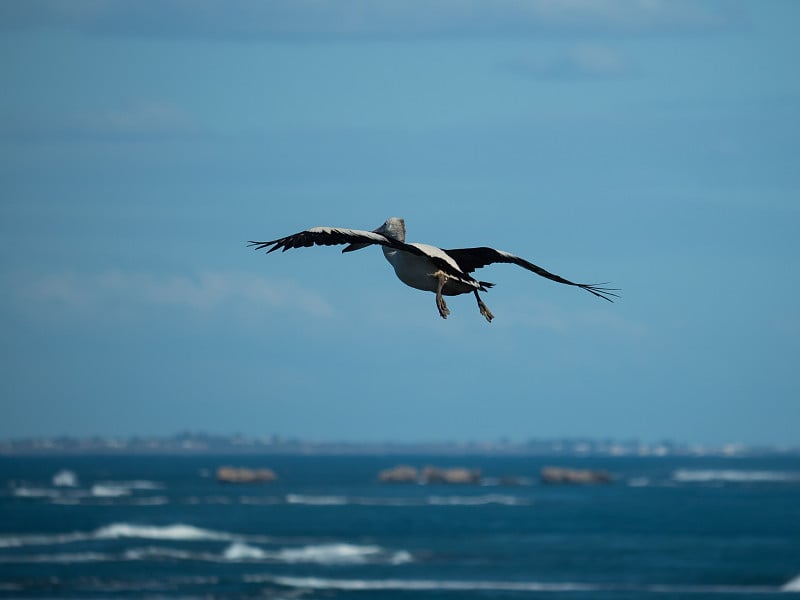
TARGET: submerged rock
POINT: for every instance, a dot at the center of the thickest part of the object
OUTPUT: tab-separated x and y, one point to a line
245	475
556	475
407	474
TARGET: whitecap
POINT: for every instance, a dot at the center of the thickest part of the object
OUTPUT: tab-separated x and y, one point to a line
401	557
733	476
477	500
179	532
792	586
15	541
34	492
64	558
317	500
329	554
176	532
109	491
137	484
241	551
65	478
321	583
156	552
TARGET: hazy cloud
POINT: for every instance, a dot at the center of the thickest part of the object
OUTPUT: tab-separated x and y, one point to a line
151	118
144	120
120	292
369	19
583	61
542	316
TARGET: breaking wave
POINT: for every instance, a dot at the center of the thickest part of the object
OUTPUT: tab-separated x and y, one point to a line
340	554
240	547
310	500
334	584
178	532
65	489
478	500
65	478
792	586
734	476
321	554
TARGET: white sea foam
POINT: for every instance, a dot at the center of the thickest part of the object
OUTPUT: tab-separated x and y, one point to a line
733	476
311	500
36	492
16	541
323	554
241	551
477	500
321	583
317	500
65	478
157	552
64	557
137	484
109	491
329	554
792	585
177	532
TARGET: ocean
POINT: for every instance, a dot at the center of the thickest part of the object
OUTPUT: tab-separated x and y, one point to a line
163	527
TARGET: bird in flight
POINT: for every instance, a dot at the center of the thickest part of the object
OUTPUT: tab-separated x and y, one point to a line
424	267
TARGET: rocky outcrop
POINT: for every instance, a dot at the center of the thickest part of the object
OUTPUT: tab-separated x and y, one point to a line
561	475
244	475
399	474
433	475
456	475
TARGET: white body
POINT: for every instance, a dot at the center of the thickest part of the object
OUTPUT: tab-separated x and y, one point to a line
420	273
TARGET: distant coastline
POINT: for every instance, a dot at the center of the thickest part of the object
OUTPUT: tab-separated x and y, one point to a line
201	443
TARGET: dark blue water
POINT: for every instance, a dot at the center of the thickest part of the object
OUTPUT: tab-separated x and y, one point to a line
162	527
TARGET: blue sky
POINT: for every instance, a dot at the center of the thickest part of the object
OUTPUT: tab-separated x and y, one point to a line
651	144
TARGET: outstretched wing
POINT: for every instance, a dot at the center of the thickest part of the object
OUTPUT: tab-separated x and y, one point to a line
331	236
470	259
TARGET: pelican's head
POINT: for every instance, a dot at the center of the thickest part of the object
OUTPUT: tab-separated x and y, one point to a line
393	227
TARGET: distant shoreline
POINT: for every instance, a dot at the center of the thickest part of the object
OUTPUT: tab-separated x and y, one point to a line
203	444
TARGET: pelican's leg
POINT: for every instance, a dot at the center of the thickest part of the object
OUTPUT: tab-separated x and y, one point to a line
483	308
440	303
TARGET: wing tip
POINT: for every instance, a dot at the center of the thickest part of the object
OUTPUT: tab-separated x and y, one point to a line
601	291
261	245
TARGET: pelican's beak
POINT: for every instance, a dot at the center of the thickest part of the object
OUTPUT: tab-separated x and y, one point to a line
353	247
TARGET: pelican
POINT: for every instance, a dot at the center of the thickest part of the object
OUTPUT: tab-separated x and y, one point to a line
425	267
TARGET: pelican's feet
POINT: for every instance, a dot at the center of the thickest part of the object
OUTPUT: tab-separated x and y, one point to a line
485	311
442	306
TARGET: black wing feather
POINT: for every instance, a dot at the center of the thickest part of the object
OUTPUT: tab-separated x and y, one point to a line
332	236
470	259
